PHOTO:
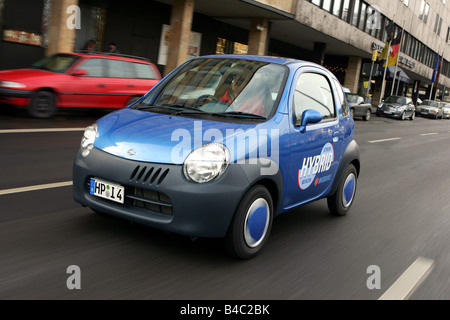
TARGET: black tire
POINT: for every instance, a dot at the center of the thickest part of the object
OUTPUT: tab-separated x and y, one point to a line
341	201
352	112
412	116
367	116
42	105
245	241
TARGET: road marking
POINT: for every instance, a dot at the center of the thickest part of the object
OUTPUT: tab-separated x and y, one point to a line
409	281
35	188
41	130
383	140
429	134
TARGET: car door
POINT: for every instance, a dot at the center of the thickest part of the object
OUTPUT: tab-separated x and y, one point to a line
315	153
86	86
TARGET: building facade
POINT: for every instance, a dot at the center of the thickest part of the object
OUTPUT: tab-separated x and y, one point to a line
339	34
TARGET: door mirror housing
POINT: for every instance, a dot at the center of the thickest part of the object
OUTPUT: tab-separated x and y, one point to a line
80	72
310	116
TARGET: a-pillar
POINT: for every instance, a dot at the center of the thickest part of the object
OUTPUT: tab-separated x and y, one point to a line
353	73
62	28
257	41
180	33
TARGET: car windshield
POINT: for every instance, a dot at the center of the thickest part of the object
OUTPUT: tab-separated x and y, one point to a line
353	98
395	99
430	103
57	63
220	87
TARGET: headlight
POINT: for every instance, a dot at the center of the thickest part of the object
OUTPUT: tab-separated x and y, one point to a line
12	85
206	163
87	142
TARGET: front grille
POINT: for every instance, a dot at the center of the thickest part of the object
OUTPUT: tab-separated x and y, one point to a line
143	198
150	200
148	175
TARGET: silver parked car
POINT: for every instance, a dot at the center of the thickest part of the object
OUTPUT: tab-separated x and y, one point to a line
397	107
358	108
447	111
432	109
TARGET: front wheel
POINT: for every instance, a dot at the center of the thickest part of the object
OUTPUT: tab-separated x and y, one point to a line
340	202
43	105
367	116
251	224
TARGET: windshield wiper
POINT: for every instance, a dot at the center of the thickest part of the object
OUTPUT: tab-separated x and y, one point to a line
240	114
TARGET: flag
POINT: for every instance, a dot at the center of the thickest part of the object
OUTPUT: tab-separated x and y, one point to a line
433	78
436	81
395	46
384	53
390	28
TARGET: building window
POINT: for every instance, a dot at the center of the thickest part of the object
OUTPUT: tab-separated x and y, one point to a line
424	10
224	46
438	24
355	17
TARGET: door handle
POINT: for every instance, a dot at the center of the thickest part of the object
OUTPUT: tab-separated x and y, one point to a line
101	85
131	86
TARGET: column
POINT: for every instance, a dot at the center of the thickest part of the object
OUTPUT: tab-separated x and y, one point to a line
180	33
319	53
258	35
61	38
353	73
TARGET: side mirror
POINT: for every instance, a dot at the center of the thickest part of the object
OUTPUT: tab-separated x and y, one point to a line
80	72
310	116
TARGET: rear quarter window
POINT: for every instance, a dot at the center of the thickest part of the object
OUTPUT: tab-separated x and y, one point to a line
119	69
143	71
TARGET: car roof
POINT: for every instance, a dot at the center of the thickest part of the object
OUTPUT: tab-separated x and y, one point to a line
116	56
269	59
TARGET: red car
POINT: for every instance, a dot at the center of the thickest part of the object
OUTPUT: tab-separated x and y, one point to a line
78	80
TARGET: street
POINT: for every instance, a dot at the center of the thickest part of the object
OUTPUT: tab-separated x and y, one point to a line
401	214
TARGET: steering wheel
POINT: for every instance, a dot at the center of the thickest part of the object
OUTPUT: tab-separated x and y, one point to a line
205	98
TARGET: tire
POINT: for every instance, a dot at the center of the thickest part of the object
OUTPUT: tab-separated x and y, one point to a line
352	113
251	224
402	117
412	116
341	201
367	116
42	105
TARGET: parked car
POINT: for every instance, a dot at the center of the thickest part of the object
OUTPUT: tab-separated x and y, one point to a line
446	110
397	107
431	109
78	80
359	108
275	134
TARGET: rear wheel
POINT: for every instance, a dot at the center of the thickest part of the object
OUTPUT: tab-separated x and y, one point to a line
251	224
413	114
43	105
341	201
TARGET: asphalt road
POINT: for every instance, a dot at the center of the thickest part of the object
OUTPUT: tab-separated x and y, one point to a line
401	215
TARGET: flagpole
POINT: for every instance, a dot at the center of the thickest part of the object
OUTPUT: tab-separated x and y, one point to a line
383	84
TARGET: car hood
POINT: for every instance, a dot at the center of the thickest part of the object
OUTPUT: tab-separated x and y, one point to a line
161	138
20	75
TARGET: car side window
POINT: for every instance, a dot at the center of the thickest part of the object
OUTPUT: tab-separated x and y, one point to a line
342	101
313	91
143	71
119	69
94	67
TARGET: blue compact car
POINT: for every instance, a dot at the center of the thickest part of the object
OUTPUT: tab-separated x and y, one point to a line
221	146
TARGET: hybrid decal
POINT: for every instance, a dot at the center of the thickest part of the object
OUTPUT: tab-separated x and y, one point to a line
315	165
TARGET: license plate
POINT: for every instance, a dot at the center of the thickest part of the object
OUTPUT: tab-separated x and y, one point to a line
107	190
